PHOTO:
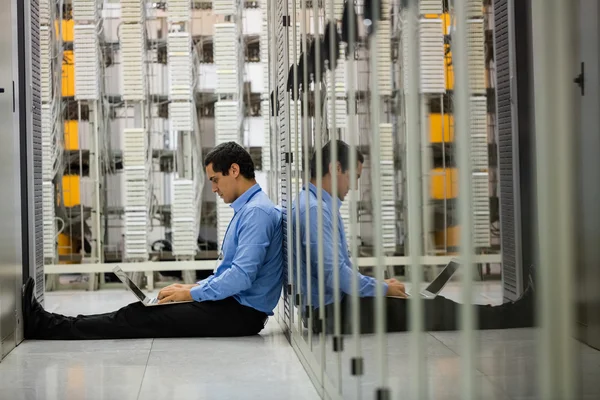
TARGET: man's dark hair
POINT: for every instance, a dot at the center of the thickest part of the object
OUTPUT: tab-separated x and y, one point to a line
226	154
343	156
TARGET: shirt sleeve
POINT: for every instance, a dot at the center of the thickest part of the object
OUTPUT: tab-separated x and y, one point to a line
254	236
367	285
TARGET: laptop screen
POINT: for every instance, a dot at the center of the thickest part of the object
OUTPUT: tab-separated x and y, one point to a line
440	281
132	286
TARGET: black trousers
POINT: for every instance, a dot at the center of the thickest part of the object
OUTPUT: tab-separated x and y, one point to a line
440	314
223	318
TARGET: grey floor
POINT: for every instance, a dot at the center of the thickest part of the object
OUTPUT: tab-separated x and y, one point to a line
505	365
266	367
263	367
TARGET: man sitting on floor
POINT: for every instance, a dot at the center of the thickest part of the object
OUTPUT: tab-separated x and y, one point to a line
235	301
440	312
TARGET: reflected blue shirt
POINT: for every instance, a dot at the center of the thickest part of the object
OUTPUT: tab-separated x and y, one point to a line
366	285
251	270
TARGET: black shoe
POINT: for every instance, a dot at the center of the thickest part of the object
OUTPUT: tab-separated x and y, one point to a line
30	309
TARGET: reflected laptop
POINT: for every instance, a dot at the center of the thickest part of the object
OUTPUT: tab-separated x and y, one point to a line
436	286
133	288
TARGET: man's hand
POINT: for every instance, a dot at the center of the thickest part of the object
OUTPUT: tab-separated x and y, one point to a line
395	288
179	286
176	292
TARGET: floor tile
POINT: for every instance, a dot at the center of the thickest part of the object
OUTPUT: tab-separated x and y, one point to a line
72	393
73	382
225	381
85	346
69	359
259	367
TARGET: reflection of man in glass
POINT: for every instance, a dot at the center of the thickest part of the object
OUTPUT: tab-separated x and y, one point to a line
440	313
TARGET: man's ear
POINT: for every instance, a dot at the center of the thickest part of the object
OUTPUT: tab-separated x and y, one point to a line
234	170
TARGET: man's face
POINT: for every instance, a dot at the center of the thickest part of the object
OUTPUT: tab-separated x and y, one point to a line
343	180
224	185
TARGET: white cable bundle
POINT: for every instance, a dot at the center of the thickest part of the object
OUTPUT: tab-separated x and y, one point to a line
474	8
388	188
265	111
178	11
132	11
296	109
45	65
404	49
481	209
133	62
431	53
47	146
49	230
180	66
291	46
227	121
479	139
137	176
384	59
87	62
338	92
338	9
226	56
85	10
428	7
476	56
44	9
136	213
135	147
184	218
264	55
386	10
340	113
224	7
180	116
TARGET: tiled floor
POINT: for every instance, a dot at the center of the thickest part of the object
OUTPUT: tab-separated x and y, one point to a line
266	367
505	366
262	367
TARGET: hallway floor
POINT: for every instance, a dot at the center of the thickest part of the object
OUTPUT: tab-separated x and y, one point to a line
266	367
505	360
261	367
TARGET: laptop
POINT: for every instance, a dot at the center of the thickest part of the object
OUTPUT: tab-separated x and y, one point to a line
133	288
436	286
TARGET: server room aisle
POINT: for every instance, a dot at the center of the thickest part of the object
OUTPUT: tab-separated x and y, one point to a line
262	367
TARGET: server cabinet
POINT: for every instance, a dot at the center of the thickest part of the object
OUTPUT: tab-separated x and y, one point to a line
21	225
588	227
10	224
516	142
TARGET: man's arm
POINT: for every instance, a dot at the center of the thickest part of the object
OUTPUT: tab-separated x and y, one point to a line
366	286
253	241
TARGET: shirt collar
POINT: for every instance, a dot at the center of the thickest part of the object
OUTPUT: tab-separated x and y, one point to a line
326	196
245	197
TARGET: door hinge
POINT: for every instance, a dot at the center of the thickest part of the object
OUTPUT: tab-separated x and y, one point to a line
383	394
580	79
356	366
338	344
289	158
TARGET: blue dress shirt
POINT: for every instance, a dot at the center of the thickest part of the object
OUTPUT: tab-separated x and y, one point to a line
251	270
367	284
